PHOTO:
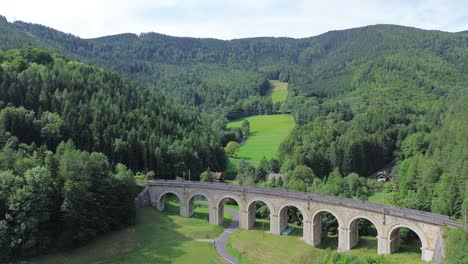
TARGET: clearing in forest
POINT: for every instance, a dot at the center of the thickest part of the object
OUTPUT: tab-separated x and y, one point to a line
266	134
278	91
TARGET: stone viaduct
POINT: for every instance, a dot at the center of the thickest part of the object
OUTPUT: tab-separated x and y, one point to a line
386	219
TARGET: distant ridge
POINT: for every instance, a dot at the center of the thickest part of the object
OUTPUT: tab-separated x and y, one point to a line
204	72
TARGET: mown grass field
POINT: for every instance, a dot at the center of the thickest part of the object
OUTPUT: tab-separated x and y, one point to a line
258	246
278	91
267	133
380	198
156	238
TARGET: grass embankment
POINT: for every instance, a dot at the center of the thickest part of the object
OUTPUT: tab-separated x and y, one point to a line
278	91
156	238
377	197
267	133
258	246
381	197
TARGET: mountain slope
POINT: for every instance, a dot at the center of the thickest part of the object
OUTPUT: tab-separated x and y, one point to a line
102	111
314	66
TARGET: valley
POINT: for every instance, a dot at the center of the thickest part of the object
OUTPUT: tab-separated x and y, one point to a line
84	120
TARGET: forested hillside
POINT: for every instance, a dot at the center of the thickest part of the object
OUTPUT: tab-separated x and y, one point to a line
63	194
211	73
48	99
363	100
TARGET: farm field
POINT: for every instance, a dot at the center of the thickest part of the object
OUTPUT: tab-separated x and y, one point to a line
278	91
158	237
267	133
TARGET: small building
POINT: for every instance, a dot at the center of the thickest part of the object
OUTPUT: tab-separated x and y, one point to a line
219	176
275	176
383	176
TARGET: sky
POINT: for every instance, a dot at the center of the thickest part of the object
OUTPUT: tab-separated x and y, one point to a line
230	19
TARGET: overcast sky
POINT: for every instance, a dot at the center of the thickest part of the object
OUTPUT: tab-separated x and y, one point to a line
228	19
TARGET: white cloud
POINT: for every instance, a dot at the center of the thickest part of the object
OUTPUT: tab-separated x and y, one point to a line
229	19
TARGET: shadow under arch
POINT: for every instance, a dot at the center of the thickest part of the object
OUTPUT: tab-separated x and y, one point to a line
220	206
252	212
394	237
161	200
283	217
195	200
325	226
356	223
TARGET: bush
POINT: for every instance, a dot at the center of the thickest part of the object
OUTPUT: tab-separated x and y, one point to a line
456	246
207	176
231	148
263	211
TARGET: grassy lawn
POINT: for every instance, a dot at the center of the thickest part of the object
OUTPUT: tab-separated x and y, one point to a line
278	91
258	246
156	238
233	164
169	238
409	253
380	198
267	132
202	212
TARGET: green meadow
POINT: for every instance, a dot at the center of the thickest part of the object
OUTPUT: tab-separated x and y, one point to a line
278	91
259	246
166	237
157	237
267	133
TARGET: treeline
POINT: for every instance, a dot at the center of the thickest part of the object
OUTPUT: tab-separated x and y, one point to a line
205	87
59	200
47	99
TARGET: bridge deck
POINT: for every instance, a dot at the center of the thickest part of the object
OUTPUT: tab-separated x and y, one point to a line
427	217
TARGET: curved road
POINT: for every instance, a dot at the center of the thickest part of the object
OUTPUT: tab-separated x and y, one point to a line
220	242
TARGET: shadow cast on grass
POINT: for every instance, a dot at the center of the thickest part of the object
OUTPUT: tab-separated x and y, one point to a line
366	243
165	248
262	224
149	241
329	242
413	246
201	215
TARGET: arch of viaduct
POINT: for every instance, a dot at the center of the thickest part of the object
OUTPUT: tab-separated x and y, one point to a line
386	219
